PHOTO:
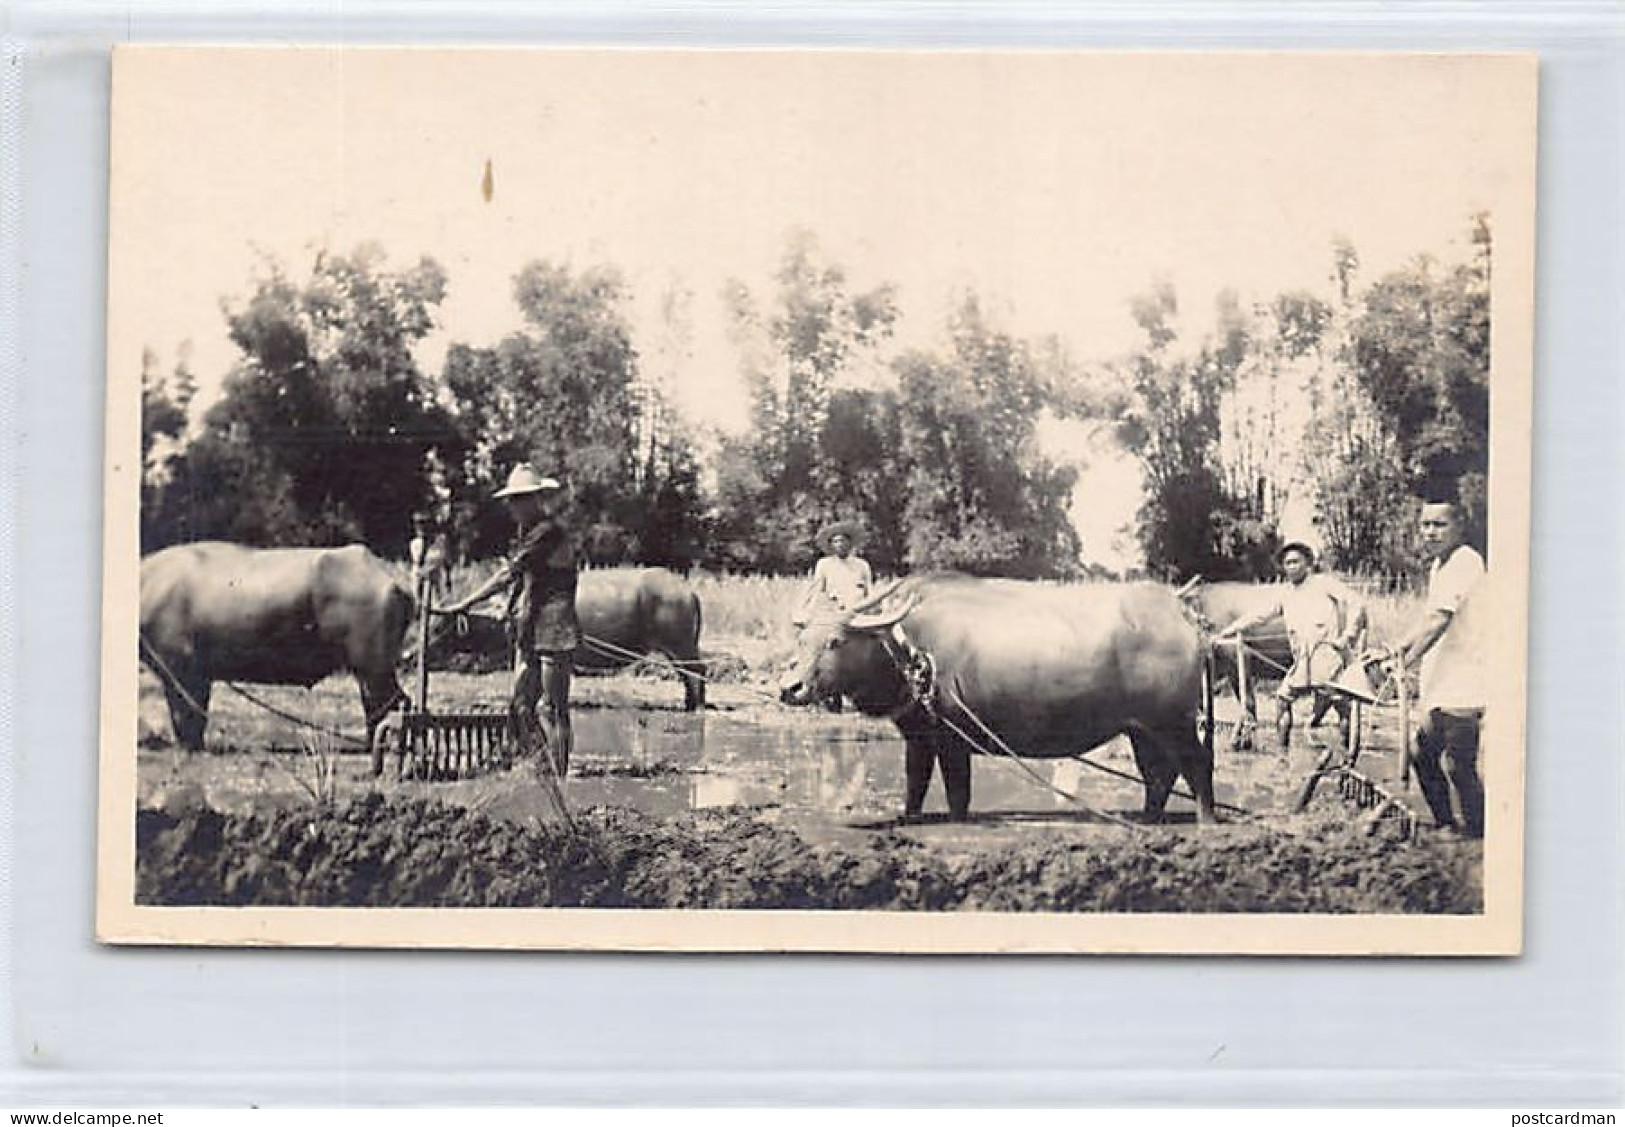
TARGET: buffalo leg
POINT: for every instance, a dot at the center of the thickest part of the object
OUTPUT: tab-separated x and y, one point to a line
954	759
693	674
185	698
1157	769
1196	764
919	759
377	698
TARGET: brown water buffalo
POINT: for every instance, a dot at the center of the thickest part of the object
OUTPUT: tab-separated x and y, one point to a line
624	614
1053	671
636	612
284	616
1269	653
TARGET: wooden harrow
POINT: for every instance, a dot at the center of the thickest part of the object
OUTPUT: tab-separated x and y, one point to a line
445	746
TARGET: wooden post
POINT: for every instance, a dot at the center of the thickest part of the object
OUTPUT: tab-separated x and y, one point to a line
1209	721
425	593
1405	734
1244	697
1356	729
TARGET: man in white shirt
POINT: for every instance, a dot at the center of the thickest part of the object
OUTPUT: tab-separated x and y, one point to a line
1324	621
840	580
1447	642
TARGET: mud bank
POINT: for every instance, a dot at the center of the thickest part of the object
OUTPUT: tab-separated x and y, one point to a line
381	852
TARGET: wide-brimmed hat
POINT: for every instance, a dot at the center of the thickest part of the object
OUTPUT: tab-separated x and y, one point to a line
1295	546
850	529
524	479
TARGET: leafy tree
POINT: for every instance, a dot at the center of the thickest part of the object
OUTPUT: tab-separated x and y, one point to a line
323	429
669	514
979	495
1190	523
1420	348
864	459
777	485
558	394
1400	406
1362	494
567	394
164	405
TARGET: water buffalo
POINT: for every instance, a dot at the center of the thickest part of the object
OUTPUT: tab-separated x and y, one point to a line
1269	653
624	614
284	616
637	612
1053	671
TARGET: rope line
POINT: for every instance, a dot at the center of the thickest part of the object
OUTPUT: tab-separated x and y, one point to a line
1005	750
348	737
1081	758
609	649
167	675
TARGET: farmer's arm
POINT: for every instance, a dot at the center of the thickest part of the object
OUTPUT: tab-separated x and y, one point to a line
1247	621
1425	636
1352	617
809	594
1447	590
499	580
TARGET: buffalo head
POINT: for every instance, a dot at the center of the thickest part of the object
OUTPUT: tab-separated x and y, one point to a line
847	656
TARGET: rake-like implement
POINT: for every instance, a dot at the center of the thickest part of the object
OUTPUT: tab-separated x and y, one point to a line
440	747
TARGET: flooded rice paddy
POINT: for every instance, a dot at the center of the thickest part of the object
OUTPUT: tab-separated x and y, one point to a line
750	783
635	747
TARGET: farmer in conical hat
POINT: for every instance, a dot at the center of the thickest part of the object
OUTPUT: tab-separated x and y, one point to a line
540	578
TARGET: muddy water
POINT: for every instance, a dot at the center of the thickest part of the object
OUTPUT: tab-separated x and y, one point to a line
828	775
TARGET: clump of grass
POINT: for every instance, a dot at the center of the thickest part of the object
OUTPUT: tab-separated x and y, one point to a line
317	772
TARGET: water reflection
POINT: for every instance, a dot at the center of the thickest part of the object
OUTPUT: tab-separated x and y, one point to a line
839	771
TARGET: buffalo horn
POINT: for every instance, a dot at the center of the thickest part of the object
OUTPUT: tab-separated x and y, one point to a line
870	622
878	597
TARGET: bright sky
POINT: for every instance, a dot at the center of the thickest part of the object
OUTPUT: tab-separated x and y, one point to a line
1056	185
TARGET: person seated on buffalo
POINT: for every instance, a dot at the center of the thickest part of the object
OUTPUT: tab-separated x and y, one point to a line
1447	641
540	577
840	580
1324	623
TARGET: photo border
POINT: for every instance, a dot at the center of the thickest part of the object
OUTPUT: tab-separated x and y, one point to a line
1498	930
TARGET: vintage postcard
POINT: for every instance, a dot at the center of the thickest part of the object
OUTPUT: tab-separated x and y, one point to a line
812	500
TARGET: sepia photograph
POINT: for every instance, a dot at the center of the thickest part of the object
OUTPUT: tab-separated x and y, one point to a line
874	501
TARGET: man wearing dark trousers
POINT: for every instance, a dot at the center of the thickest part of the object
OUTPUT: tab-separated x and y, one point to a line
540	577
1447	643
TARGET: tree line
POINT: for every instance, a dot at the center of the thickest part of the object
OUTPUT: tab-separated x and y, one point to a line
329	430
